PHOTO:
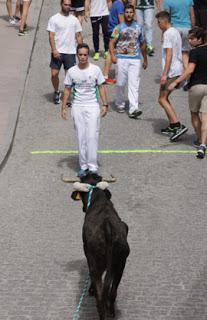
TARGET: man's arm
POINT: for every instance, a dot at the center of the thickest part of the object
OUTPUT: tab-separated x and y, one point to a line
169	53
66	96
192	16
54	51
133	2
143	48
87	8
79	37
112	43
188	71
102	93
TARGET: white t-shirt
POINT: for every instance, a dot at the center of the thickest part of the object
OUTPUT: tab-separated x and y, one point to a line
84	83
172	39
65	29
98	8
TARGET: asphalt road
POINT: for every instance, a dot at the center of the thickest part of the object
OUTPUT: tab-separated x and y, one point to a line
162	197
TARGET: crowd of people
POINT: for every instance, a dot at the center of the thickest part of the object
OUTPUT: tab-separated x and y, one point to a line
127	28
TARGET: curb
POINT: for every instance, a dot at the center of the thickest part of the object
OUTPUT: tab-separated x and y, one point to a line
8	144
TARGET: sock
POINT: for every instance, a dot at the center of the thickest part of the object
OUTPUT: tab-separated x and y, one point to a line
175	125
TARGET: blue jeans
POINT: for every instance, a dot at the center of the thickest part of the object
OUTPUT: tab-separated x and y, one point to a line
145	17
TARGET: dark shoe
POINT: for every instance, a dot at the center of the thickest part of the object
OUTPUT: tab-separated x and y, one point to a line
178	132
135	114
167	131
82	173
196	143
201	152
150	51
56	97
22	33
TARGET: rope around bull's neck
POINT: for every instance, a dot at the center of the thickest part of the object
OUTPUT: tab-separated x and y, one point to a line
76	314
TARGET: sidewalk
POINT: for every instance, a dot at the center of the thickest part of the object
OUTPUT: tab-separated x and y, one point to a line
15	55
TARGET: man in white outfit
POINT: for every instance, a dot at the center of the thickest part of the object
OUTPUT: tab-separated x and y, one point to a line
85	82
128	42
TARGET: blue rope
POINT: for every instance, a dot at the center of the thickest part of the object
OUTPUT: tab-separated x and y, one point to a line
82	297
76	314
90	195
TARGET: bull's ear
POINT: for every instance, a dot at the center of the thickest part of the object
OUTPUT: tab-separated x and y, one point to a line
76	195
108	194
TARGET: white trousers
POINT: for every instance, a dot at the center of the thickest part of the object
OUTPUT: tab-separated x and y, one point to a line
87	125
128	69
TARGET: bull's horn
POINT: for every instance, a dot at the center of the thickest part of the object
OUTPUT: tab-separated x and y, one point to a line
110	179
102	185
69	179
82	187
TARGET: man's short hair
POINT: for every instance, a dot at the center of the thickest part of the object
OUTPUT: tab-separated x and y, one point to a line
164	15
81	46
198	33
129	6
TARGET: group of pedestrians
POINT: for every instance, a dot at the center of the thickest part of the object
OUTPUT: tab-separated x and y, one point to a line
20	14
128	41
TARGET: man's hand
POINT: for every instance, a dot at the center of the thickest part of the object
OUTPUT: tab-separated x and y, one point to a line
145	64
56	54
163	80
64	112
104	111
113	59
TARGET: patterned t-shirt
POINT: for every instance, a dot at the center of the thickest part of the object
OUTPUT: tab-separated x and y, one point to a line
129	38
145	4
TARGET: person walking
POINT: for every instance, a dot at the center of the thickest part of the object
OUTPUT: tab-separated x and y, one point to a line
23	22
197	94
77	6
183	19
145	12
200	7
13	19
99	15
64	30
116	16
83	82
129	41
172	69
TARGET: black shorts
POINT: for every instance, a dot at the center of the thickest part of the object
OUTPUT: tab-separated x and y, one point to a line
77	5
68	61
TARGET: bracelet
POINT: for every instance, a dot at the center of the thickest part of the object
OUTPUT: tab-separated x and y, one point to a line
105	105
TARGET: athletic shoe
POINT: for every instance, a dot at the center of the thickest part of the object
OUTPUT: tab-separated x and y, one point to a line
150	51
56	97
201	152
17	18
167	131
96	56
110	81
12	21
82	173
178	132
106	54
120	108
135	114
22	33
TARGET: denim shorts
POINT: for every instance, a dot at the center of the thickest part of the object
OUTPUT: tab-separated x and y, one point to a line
68	61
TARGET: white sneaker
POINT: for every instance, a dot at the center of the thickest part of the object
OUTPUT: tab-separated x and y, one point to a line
12	21
120	108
